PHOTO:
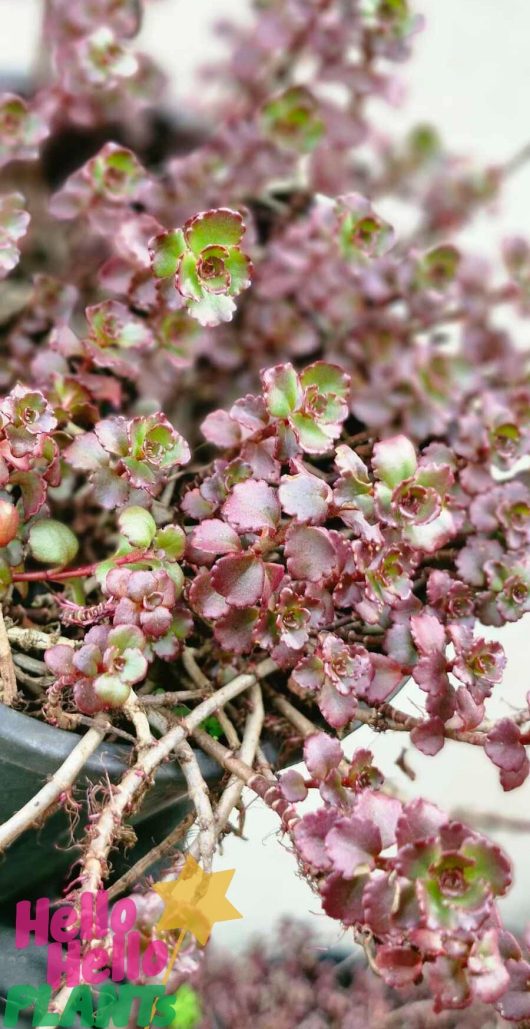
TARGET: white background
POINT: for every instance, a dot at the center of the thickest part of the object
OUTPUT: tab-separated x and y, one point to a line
471	76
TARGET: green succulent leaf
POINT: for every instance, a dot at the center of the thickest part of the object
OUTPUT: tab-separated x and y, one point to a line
283	393
166	251
138	526
222	227
171	539
52	542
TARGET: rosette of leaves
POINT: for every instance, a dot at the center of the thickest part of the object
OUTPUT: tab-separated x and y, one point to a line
413	495
341	674
115	335
99	61
392	18
103	669
309	407
77	18
292	119
21	129
148	598
102	187
456	876
14	221
124	456
363	234
29	455
438	268
206	262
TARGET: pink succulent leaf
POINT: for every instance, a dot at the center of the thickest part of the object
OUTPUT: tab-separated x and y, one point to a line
343	898
204	599
427	632
59	659
309	835
305	497
514	1004
337	708
110	491
399	966
468	712
419	820
503	746
512	780
434	535
351	843
429	737
235	629
250	413
309	673
379	902
449	983
387	675
33	491
322	754
293	786
112	435
240	578
310	553
214	536
430	673
252	506
14	222
472	559
86	453
383	811
219	428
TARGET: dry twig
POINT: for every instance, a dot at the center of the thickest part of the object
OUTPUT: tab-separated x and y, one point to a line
8	681
39	805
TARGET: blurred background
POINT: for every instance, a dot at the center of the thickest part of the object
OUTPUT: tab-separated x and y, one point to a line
470	76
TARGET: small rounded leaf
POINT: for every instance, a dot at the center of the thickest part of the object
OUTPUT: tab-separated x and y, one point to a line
52	543
138	526
111	691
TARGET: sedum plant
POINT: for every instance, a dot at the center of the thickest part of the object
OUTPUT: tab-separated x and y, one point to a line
272	461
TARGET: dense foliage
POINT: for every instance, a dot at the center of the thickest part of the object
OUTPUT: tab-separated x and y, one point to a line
243	417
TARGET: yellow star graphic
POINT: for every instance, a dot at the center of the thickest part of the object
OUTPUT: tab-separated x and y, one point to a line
196	901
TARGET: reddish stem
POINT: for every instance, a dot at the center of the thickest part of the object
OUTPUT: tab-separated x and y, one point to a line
57	575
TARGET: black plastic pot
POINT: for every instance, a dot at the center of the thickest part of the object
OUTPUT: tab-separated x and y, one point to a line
37	864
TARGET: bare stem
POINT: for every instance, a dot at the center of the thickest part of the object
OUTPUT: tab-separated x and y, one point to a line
199	795
34	639
249	746
304	725
122	801
137	716
32	813
8	681
129	878
203	684
168	699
